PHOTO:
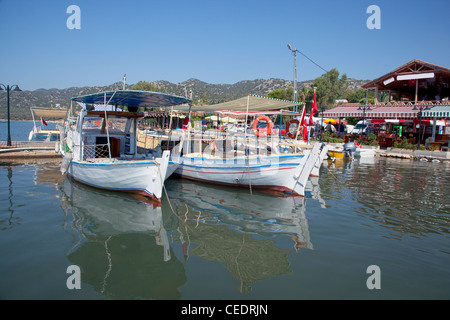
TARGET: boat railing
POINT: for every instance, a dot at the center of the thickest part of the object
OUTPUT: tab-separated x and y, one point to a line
95	151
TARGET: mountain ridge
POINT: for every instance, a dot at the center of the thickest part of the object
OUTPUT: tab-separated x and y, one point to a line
20	102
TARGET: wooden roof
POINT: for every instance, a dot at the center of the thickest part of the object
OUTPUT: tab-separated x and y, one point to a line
412	67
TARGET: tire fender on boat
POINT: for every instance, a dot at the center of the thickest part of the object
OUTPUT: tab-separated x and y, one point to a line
269	126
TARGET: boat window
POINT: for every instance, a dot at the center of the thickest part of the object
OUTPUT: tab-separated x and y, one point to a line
115	125
92	123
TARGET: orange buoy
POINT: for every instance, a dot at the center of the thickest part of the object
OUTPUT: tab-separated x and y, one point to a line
266	131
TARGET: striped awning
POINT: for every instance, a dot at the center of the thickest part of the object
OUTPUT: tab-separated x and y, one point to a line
344	111
393	112
438	112
257	112
384	112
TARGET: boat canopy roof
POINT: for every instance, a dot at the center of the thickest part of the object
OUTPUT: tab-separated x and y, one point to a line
49	113
133	98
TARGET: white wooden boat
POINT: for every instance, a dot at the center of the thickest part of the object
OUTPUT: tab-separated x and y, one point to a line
99	147
249	167
249	160
40	131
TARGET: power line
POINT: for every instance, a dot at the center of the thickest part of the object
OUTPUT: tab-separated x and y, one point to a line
312	61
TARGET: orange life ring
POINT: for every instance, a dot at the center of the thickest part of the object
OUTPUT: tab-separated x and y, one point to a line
297	132
266	131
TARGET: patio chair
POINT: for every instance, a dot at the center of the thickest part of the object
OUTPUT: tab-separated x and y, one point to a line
446	147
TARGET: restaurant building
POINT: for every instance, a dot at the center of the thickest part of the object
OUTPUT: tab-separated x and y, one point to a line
416	94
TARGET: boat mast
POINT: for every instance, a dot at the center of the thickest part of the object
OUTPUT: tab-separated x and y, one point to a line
106	122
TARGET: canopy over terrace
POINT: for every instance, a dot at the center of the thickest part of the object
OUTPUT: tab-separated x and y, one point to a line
257	112
249	103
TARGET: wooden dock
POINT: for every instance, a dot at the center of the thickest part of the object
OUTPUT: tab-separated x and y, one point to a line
29	152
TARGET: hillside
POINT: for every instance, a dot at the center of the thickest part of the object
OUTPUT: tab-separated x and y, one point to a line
20	102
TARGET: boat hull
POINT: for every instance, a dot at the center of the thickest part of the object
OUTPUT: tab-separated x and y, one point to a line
143	177
284	173
323	154
337	154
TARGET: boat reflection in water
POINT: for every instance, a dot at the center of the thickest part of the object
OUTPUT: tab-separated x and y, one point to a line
120	243
254	212
129	249
251	234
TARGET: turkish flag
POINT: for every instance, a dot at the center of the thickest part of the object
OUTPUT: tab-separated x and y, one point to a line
43	122
314	105
304	126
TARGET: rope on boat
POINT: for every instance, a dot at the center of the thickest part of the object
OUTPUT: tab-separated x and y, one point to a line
248	167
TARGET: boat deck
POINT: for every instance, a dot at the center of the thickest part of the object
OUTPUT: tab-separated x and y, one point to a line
121	159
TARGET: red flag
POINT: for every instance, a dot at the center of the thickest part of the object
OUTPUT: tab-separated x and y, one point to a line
186	123
43	122
303	125
314	105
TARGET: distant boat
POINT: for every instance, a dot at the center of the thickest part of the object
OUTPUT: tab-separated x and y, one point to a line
100	149
351	150
40	115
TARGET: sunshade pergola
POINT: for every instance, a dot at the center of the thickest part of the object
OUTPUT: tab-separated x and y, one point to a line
249	103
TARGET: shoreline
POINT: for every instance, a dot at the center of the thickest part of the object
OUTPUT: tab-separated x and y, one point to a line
422	155
25	152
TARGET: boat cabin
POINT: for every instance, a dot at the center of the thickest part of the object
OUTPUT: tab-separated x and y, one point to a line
97	128
112	132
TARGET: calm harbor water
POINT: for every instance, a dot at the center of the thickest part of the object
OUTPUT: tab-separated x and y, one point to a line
20	130
208	242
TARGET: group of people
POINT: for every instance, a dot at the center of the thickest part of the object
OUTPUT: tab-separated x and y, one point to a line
330	128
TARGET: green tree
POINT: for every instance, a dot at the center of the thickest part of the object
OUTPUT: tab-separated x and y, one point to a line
330	87
282	94
352	120
305	95
147	86
358	96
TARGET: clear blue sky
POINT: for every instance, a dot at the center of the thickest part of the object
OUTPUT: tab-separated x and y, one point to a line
214	41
